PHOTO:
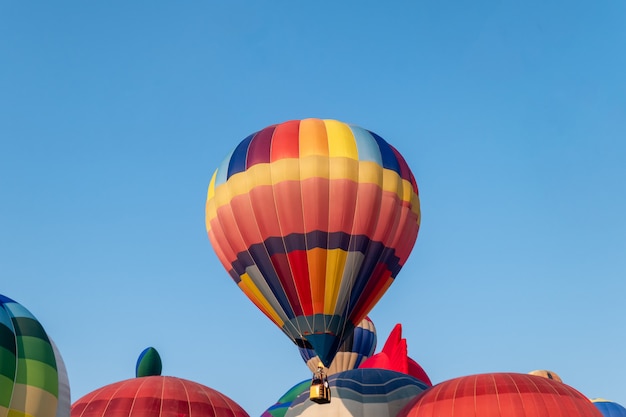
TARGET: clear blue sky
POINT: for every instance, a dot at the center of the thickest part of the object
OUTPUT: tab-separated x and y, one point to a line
512	115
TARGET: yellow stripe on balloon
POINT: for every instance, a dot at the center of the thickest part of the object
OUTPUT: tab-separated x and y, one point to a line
392	182
252	292
314	167
335	264
370	173
211	191
341	141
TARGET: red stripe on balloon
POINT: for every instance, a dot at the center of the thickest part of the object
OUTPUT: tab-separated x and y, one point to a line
285	142
300	273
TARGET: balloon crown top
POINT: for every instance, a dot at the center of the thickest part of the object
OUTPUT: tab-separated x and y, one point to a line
149	363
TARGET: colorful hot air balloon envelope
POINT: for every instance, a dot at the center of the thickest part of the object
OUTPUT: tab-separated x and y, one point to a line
363	393
500	395
354	350
313	219
609	408
29	381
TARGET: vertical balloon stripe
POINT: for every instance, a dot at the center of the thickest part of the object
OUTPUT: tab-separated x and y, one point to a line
313	140
252	284
210	195
288	206
367	210
367	146
267	278
336	260
405	171
341	142
224	253
238	158
247	286
368	303
8	359
260	147
317	275
299	263
285	141
280	263
36	348
387	154
222	170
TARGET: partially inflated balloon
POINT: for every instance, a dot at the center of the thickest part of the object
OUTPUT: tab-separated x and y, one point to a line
29	381
313	219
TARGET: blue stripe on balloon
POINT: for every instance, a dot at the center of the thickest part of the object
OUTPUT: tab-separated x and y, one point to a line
367	146
389	157
239	157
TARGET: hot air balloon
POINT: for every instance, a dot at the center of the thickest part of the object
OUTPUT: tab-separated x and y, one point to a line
363	393
155	395
354	350
29	380
500	395
609	408
313	219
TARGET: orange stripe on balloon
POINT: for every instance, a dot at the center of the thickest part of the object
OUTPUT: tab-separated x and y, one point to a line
317	277
313	139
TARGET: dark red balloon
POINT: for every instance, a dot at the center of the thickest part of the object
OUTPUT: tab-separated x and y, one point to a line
500	395
156	396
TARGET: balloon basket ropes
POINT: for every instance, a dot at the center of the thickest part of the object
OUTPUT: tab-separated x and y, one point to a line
319	391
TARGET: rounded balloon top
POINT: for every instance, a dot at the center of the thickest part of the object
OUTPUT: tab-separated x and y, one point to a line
500	394
149	363
151	394
163	396
29	379
313	219
609	408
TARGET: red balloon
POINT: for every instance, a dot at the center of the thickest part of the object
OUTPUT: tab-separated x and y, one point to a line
162	396
500	395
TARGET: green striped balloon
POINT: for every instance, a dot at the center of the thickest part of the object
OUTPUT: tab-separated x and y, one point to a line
29	381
